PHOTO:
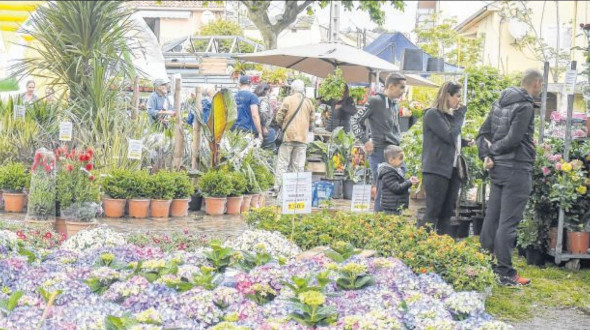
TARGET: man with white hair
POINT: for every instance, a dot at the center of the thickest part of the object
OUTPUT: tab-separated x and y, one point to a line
295	117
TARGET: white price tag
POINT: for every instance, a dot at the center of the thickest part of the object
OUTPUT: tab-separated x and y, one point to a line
19	111
570	81
296	193
65	131
134	150
361	198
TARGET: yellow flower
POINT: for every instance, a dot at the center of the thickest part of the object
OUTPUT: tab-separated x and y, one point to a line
312	298
107	257
566	167
581	190
354	268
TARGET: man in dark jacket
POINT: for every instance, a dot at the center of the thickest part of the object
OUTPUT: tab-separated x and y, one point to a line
382	114
506	144
395	189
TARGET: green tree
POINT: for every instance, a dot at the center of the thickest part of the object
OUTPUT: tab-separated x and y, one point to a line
258	13
223	28
441	40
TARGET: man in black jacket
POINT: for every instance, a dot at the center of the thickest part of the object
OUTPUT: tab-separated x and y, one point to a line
506	144
382	115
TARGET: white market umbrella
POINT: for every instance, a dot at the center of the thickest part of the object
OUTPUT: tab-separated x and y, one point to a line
321	59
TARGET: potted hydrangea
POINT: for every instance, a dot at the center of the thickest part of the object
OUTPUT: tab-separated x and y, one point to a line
216	185
115	188
13	181
183	189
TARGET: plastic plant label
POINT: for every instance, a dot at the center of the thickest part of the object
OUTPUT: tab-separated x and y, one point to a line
570	81
19	111
134	150
65	131
296	193
361	198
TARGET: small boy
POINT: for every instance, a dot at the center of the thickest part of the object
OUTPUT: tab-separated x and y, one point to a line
395	189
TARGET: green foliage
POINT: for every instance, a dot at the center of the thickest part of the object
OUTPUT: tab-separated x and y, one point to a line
238	181
215	183
304	284
484	85
263	176
332	87
357	93
208	279
139	185
443	41
8	305
309	310
75	187
341	251
162	185
183	185
528	233
119	323
275	76
461	264
42	195
117	183
249	261
14	178
48	295
219	256
353	276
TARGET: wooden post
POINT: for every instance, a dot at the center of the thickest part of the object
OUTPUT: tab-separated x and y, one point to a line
135	99
178	131
197	129
544	101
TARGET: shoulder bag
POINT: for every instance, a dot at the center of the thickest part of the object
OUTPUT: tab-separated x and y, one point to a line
281	131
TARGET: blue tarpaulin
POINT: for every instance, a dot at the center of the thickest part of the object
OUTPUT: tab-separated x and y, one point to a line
390	47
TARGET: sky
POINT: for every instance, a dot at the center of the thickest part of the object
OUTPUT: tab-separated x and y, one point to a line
402	21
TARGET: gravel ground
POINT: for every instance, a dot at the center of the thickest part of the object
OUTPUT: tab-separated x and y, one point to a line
556	319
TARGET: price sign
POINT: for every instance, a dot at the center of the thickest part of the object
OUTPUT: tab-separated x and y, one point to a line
135	148
570	81
361	198
297	193
65	131
19	111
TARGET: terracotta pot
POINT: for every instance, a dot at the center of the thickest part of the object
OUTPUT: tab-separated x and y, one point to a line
138	208
14	202
114	208
255	201
73	227
160	208
60	226
215	205
262	200
578	242
234	205
552	238
179	208
246	203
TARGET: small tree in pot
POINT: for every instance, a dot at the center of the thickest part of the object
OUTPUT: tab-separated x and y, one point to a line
216	185
139	194
115	188
162	192
236	196
183	189
13	181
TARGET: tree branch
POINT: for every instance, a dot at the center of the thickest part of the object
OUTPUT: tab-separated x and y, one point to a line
290	14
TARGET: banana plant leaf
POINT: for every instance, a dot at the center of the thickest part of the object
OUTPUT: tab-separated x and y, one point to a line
222	117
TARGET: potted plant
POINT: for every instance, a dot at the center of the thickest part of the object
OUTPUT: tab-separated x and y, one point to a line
77	191
216	185
358	94
162	191
236	196
528	239
138	194
345	144
265	180
115	187
239	69
331	156
183	190
332	88
13	181
578	233
42	193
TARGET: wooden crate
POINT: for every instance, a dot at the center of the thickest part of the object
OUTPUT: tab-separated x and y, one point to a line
213	66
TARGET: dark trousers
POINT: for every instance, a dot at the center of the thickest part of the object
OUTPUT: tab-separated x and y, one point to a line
509	194
441	200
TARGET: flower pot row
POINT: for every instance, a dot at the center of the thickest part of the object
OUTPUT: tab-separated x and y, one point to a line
575	242
233	205
140	208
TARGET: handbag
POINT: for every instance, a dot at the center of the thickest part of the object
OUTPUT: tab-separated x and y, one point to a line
462	169
281	131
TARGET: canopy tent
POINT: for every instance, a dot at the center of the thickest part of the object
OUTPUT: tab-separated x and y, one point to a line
320	60
390	47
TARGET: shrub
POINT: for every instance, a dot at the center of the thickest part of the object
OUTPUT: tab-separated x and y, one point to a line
14	178
263	176
462	264
183	186
117	183
162	185
215	183
139	185
238	181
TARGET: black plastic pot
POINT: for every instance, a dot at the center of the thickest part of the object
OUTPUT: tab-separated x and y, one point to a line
337	187
477	224
534	256
463	229
196	202
347	190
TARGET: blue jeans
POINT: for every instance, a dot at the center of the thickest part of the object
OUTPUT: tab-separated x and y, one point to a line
375	159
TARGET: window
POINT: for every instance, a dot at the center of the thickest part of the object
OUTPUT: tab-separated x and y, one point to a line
565	38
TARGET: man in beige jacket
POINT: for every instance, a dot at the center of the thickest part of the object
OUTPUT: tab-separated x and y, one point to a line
292	151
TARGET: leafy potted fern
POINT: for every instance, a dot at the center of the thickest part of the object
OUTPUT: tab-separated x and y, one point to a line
216	185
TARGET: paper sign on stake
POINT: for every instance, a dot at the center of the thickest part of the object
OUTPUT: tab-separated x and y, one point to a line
296	193
19	111
65	131
135	148
361	198
570	81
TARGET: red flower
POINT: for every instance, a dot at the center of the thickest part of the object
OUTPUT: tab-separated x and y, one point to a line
90	152
37	156
89	167
82	158
47	235
182	246
70	167
157	241
91	177
47	168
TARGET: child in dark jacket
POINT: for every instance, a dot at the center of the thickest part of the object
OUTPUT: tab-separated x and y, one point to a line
395	189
